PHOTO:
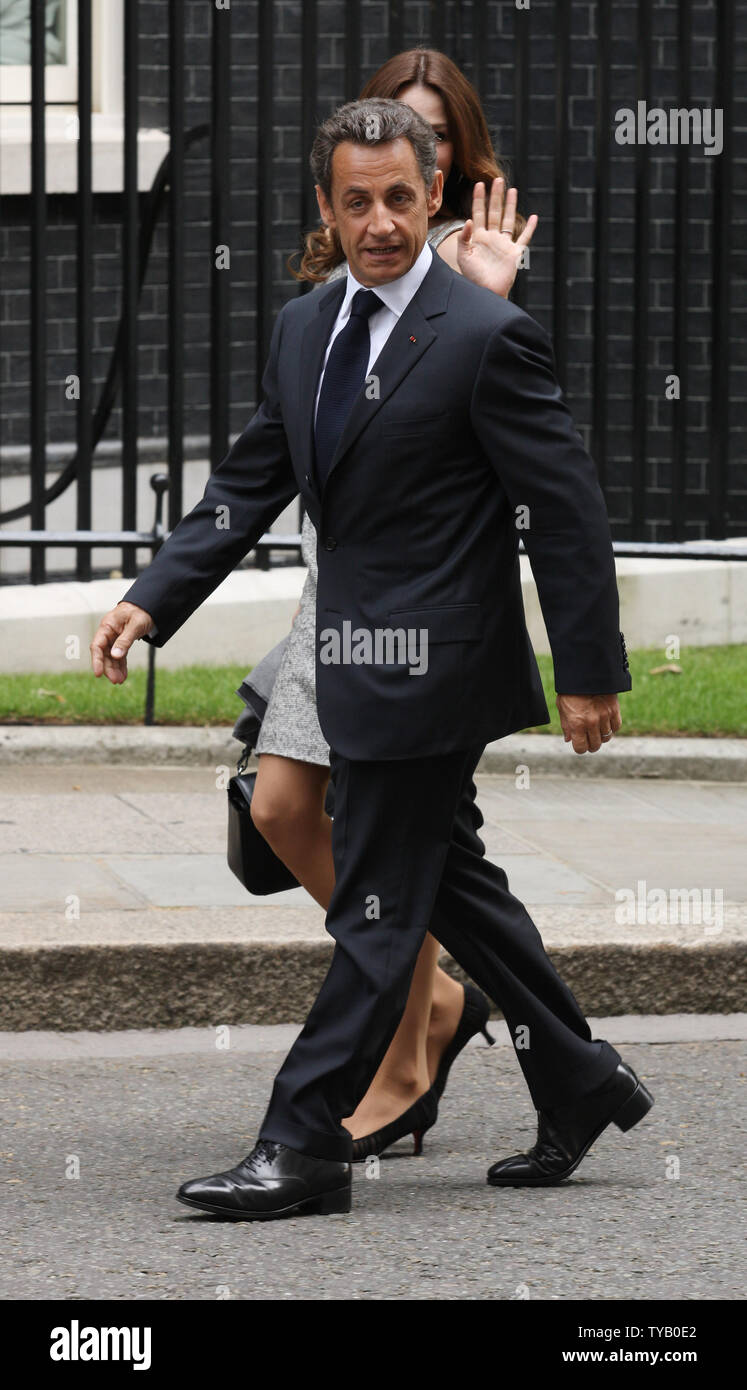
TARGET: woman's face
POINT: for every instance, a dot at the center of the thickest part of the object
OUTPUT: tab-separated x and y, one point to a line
430	106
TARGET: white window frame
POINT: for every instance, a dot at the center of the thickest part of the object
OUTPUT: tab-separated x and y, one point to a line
107	133
60	79
108	56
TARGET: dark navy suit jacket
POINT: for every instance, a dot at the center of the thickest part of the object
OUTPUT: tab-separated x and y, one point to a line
417	522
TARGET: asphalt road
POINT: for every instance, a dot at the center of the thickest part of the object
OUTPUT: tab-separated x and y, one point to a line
649	1214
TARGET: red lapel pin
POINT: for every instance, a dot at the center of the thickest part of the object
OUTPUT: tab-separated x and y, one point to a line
413	340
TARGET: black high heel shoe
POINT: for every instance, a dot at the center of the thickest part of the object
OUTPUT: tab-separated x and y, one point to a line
423	1114
415	1121
475	1014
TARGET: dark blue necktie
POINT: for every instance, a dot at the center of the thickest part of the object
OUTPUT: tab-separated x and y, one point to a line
344	376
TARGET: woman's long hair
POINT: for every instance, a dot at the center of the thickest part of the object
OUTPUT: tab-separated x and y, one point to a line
474	156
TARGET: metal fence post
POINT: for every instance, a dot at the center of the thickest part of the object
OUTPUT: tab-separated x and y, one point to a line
159	482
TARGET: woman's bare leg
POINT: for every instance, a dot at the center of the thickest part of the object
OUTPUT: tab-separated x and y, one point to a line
403	1073
447	1003
288	810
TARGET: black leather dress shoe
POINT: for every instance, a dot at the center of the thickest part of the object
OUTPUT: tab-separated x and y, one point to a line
273	1181
564	1135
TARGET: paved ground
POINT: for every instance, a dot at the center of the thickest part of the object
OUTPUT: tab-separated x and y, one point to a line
131	838
117	908
650	1214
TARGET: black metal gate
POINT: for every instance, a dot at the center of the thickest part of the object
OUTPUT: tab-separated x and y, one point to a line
553	76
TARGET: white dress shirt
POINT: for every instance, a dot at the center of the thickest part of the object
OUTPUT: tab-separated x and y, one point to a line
395	297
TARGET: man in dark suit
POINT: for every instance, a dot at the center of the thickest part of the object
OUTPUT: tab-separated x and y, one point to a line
420	418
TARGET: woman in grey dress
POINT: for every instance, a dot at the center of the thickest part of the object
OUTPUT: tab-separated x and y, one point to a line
288	803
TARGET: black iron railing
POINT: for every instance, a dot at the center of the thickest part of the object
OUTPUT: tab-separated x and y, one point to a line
468	32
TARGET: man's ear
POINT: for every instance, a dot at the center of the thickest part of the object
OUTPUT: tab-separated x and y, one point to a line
325	207
436	194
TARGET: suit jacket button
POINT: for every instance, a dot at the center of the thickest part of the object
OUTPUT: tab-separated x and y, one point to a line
330	543
307	480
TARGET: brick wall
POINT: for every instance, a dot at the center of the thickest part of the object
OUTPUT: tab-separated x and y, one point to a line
289	173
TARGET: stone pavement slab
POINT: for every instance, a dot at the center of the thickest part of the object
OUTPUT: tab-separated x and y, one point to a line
42	884
191	880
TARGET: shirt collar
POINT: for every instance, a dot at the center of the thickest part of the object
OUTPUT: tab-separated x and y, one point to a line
396	295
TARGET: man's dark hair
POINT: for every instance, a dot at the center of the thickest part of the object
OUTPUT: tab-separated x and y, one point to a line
374	121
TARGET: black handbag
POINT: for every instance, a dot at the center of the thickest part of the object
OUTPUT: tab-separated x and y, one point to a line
250	857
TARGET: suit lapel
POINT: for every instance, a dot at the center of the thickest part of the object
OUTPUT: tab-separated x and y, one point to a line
411	336
313	345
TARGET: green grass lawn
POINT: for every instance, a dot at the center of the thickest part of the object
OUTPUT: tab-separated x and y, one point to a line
707	699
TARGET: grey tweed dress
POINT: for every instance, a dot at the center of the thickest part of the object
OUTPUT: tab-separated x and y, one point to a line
290	728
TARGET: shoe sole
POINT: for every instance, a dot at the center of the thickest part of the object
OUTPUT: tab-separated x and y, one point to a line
326	1204
632	1110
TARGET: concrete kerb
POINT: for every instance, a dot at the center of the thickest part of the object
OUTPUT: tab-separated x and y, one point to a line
686	759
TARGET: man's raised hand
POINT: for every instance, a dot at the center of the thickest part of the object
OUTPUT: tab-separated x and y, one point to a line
588	721
115	635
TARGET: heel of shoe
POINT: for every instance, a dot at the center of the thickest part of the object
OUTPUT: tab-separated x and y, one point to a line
487	1036
417	1142
330	1202
636	1106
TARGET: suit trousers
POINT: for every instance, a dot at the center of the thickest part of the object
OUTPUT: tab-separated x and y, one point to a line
408	859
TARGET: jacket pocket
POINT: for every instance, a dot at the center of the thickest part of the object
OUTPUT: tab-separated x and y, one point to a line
456	622
413	425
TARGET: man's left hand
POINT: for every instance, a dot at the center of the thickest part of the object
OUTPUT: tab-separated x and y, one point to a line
588	721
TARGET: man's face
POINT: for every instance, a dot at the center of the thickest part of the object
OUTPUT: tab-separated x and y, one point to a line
380	208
